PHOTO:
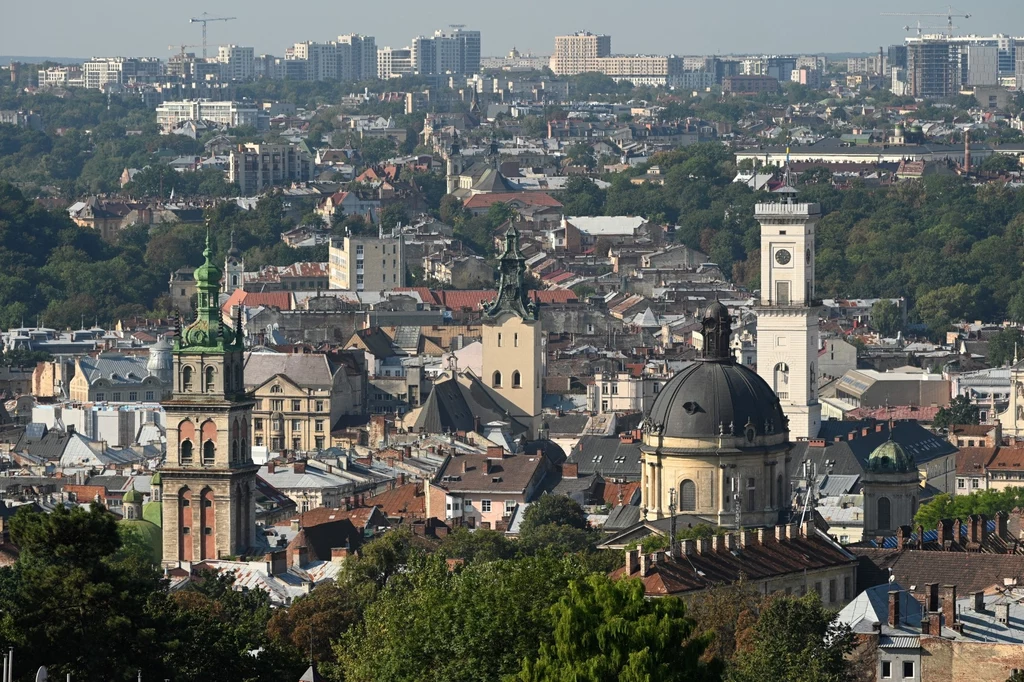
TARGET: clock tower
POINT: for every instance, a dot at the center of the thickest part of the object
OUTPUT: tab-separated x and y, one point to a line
208	478
787	314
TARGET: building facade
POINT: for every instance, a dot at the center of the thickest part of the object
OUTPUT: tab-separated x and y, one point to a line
209	479
787	315
367	263
579	52
237	63
230	114
257	167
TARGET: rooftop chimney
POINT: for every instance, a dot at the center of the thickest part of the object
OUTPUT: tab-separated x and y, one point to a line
894	608
780	532
688	547
299	467
949	604
271	465
931	591
1001	526
979	601
645	565
632	561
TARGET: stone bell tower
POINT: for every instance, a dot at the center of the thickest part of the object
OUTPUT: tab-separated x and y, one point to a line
208	479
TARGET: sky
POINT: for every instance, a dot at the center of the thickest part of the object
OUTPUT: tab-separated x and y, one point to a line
71	28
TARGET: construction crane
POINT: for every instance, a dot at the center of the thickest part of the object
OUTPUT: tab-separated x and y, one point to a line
181	49
203	19
950	13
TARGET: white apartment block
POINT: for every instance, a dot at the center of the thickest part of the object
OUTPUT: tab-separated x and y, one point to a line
357	57
394	62
982	65
231	114
256	167
237	63
98	73
321	59
61	76
578	53
623	392
367	263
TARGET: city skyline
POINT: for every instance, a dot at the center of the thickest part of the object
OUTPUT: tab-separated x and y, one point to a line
111	28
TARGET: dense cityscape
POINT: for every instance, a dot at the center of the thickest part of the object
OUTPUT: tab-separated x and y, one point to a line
370	363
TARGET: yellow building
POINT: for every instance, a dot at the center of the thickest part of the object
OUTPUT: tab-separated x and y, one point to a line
513	341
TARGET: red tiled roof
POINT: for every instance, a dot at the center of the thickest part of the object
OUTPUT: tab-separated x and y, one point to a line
252	299
1007	458
406	501
527	198
610	492
972	461
321	515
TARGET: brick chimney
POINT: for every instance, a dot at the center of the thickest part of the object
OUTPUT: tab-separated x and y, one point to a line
730	541
645	565
406	452
632	561
688	547
339	554
944	532
271	466
495	452
299	467
949	605
704	546
973	529
894	608
780	532
957	532
903	534
931	591
982	528
920	536
748	538
1001	531
570	470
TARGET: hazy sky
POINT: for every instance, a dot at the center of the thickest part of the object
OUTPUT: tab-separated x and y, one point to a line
72	28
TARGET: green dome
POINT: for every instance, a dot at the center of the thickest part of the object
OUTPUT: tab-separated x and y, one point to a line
132	496
889	457
156	479
148	534
208	272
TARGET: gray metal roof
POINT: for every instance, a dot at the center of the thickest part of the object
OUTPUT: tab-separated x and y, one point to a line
833	485
608	456
121	369
305	370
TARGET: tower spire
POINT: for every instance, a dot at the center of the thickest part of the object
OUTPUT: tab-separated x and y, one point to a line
512	294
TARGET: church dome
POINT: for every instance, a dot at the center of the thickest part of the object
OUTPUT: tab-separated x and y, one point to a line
889	457
710	399
132	496
144	532
714	396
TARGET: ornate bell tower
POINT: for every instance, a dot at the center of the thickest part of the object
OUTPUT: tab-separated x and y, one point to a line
234	268
208	479
454	168
787	314
513	354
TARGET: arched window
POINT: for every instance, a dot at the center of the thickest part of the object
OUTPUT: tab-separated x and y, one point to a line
234	451
234	280
185	452
884	513
186	378
687	496
496	380
517	381
276	389
211	376
130	512
209	452
244	454
812	378
781	385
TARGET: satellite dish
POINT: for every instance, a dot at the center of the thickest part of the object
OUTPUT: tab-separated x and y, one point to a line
41	675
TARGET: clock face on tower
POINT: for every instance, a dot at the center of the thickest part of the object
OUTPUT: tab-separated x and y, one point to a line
782	256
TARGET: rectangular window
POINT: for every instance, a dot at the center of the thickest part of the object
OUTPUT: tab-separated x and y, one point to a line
359	250
133	396
296	406
257	424
975	482
185	530
117	397
961	483
886	670
485	505
782	293
908	669
751	490
510	506
318	425
296	425
305	505
832	591
259	404
319	406
615	389
499	339
319	442
149	396
100	397
515	340
259	441
604	389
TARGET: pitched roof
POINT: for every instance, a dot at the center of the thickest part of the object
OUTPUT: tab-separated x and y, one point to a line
474	299
608	456
306	370
972	461
522	198
251	299
405	501
359	517
115	368
480	473
969	571
453	406
755	561
375	341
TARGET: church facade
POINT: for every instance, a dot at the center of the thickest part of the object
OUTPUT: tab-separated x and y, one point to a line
208	479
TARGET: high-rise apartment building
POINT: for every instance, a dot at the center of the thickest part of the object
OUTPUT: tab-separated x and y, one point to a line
357	57
931	72
578	53
455	51
982	65
97	73
394	62
367	263
237	63
321	60
256	167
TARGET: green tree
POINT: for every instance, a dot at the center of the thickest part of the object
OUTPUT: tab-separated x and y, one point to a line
939	308
479	545
553	509
794	640
885	317
987	502
959	411
1003	346
606	630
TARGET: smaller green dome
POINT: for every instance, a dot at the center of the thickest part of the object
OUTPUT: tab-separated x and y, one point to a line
207	272
156	479
889	457
144	532
132	496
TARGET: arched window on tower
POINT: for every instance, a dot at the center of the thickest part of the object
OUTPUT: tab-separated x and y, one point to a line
209	452
234	280
884	513
185	452
496	380
781	384
687	496
517	380
186	378
812	379
211	377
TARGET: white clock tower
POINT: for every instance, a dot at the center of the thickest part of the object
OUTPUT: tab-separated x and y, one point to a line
787	314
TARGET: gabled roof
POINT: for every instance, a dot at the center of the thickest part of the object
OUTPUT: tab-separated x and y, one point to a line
305	370
116	368
252	299
519	198
608	456
453	406
374	341
969	571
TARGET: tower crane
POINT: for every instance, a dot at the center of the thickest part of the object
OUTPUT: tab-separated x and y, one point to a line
950	13
181	49
203	19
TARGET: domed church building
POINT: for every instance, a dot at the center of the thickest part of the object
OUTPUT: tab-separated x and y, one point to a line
716	442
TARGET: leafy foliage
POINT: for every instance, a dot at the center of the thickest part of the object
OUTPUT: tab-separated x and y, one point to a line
986	502
959	411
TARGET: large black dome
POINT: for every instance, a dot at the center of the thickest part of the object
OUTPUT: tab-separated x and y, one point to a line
712	398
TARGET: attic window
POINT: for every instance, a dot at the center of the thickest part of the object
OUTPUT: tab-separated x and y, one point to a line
495	479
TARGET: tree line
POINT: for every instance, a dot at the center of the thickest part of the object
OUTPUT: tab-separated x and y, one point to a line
84	599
